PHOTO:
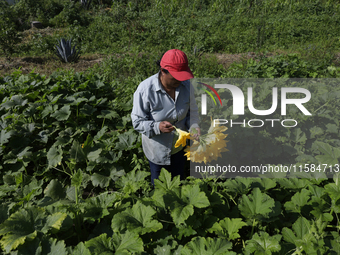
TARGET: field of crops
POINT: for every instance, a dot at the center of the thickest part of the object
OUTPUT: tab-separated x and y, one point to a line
73	176
74	180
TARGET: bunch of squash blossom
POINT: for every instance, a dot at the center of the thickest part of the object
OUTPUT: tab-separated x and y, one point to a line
207	148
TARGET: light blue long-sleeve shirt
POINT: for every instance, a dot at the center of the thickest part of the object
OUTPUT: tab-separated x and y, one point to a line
152	105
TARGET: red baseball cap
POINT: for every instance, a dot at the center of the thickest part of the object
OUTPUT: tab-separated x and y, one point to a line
176	62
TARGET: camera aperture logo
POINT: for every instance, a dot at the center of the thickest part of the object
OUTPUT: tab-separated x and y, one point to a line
204	97
239	105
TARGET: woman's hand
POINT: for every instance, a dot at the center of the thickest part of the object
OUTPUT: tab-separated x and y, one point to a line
197	134
166	127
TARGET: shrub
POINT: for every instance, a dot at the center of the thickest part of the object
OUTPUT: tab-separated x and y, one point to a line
72	13
9	36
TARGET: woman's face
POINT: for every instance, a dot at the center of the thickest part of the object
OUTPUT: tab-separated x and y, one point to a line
169	81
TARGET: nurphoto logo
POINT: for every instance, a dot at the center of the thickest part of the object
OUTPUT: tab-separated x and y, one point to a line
269	128
238	105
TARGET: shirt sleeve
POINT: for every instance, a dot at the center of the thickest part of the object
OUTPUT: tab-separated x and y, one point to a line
192	120
141	117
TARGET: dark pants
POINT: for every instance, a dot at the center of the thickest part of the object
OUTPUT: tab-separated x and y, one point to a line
176	168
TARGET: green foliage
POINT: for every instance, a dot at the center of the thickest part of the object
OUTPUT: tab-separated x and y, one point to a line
71	14
117	244
156	26
287	66
256	206
201	245
263	244
163	25
9	37
68	121
137	219
58	13
228	228
73	176
26	225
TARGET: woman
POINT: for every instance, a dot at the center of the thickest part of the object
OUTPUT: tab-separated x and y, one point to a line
161	102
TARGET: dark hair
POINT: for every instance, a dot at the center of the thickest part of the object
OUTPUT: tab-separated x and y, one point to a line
158	62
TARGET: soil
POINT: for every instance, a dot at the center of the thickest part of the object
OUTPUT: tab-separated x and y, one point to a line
46	65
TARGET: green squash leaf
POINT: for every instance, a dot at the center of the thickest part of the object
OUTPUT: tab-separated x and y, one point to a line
77	152
238	186
54	156
55	190
127	243
104	178
330	155
335	242
298	201
62	114
165	183
119	244
54	222
100	133
100	180
87	110
127	140
208	246
301	232
183	206
94	155
180	212
77	179
20	227
108	114
137	219
262	243
164	250
133	181
81	249
97	207
48	109
194	196
257	205
293	183
54	247
4	136
100	245
228	228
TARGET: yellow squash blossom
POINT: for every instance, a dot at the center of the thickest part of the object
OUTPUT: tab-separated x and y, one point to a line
182	138
187	154
209	147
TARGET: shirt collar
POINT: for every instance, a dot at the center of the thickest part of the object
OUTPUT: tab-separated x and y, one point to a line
158	84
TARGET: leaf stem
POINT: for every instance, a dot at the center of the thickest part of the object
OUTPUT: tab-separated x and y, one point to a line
63	171
321	106
103	123
253	227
